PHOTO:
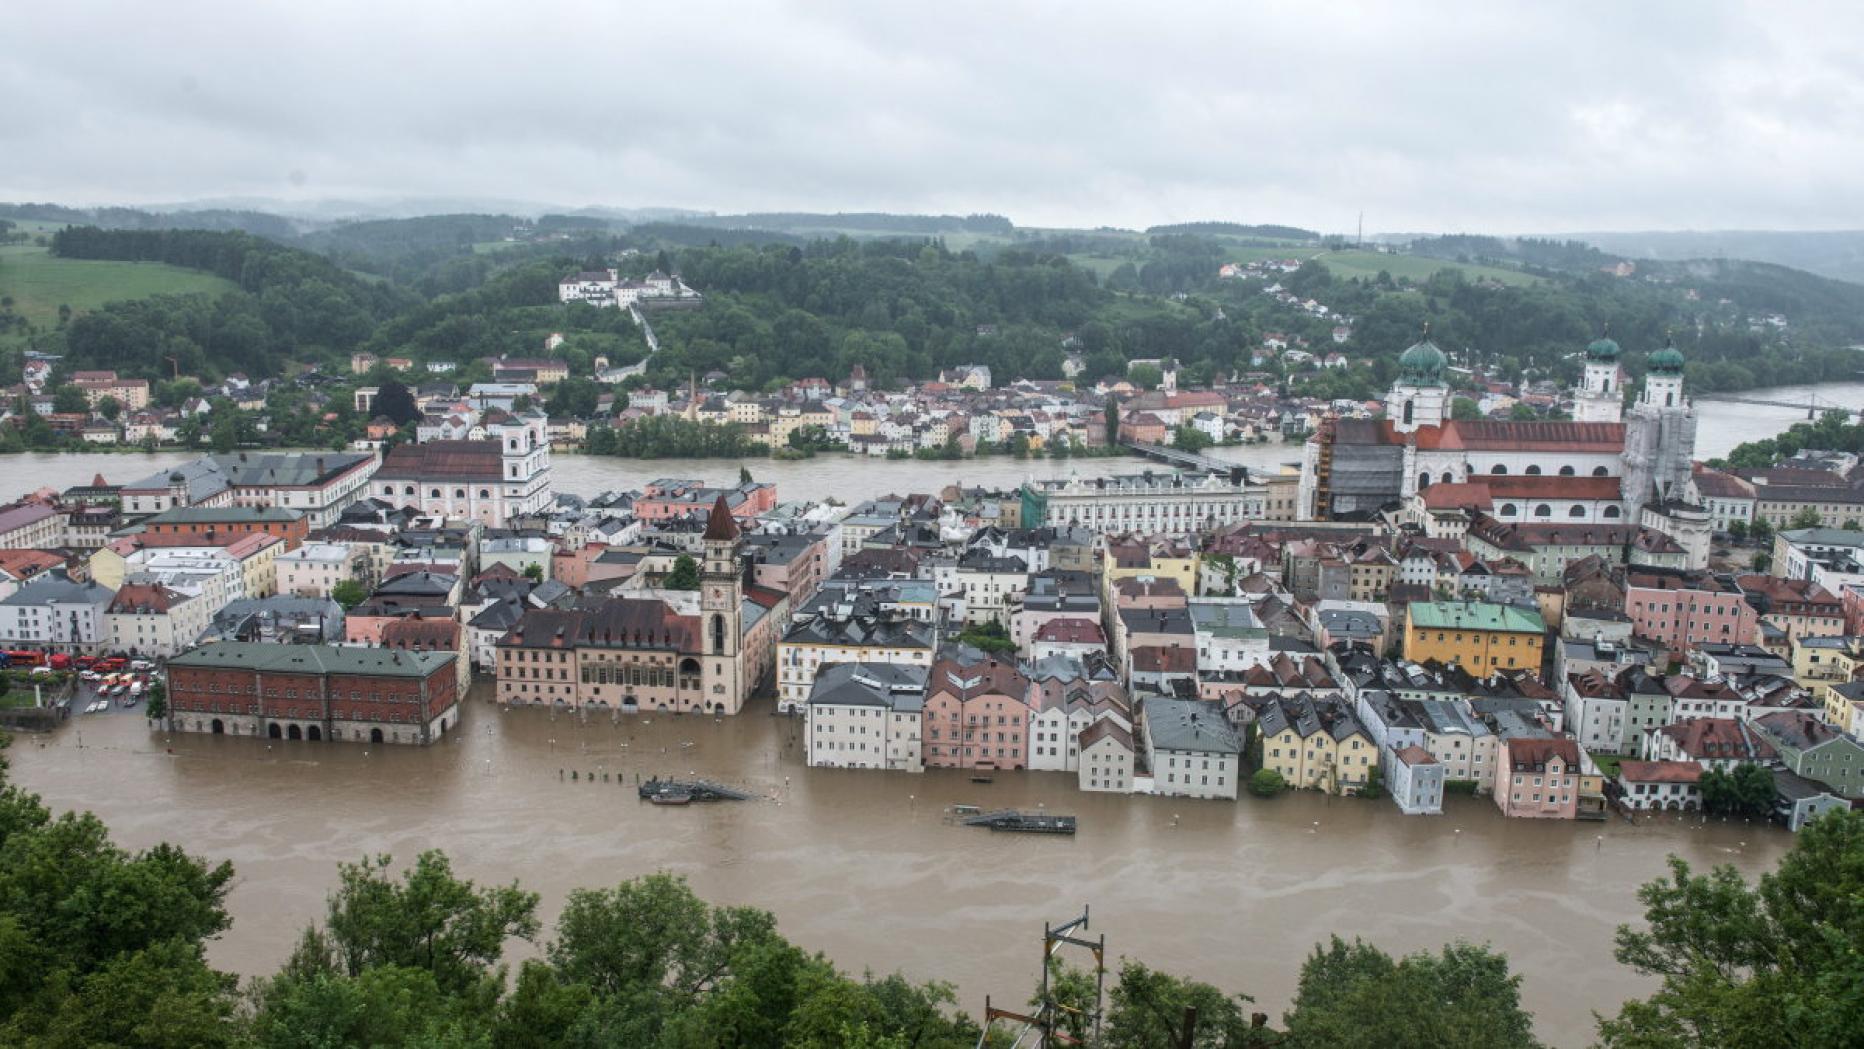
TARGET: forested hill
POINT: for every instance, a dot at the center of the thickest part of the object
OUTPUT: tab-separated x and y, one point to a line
781	307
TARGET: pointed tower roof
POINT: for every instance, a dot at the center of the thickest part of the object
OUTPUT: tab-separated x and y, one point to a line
721	527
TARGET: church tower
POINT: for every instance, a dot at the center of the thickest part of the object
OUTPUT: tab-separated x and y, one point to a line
1420	397
1600	397
721	588
1660	438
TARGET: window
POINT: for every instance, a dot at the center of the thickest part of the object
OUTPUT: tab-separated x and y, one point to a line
1543	510
1533	471
1576	511
1498	468
1567	471
1611	511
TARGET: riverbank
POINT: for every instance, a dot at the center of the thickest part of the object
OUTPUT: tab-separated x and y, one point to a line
830	849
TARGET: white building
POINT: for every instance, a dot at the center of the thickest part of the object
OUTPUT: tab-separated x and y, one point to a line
595	287
313	569
1192	749
866	716
1150	502
1416	781
54	614
1060	711
492	481
1106	763
149	619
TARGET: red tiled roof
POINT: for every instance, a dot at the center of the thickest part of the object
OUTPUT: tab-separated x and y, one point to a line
444	461
1660	771
1070	630
1160	659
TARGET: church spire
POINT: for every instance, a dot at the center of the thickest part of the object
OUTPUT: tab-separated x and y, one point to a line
721	527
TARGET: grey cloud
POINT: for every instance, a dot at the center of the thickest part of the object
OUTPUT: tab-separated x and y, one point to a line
1464	116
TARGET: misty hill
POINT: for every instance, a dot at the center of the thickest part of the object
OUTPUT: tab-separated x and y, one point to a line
1828	253
261	223
1238	229
860	221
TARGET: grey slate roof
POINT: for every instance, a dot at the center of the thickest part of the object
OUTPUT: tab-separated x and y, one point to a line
313	659
1189	725
896	686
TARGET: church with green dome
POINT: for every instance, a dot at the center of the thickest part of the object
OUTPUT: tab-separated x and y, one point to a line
1608	467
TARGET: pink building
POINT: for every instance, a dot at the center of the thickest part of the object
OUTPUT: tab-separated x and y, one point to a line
1686	609
975	715
1538	779
668	497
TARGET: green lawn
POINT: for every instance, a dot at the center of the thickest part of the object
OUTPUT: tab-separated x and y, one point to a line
1607	763
1356	263
38	282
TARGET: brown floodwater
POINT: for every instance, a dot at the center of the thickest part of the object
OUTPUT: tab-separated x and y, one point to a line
864	865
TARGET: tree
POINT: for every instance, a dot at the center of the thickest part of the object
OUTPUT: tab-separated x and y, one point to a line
1761	531
427	920
1145	376
1807	517
69	399
1191	439
1113	421
394	401
1463	996
744	475
1523	412
534	572
109	408
653	934
685	574
1746	790
1146	1010
224	437
1266	783
1464	409
988	637
349	593
1744	967
1738	530
157	704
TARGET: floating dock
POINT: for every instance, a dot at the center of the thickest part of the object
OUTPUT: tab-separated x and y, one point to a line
1022	822
679	792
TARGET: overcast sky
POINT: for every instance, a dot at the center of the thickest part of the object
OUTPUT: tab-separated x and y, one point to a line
1490	117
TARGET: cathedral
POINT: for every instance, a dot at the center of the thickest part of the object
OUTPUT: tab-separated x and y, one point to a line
1605	467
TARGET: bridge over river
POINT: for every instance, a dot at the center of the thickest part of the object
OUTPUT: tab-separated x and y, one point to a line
1814	406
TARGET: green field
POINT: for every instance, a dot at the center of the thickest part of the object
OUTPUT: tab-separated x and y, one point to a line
1356	263
38	283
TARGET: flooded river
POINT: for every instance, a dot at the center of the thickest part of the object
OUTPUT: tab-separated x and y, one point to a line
851	479
864	866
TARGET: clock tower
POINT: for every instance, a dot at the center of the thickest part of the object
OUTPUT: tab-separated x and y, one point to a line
721	590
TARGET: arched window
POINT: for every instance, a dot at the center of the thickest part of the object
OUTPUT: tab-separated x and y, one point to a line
1533	470
1408	412
718	633
1448	477
485	493
1498	468
1543	510
388	489
512	444
1611	511
1669	400
1600	471
1509	510
1576	511
1608	384
433	493
407	489
1423	481
1566	471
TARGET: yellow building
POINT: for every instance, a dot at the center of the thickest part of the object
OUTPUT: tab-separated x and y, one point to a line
1480	636
1316	744
1844	705
1820	659
1131	557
